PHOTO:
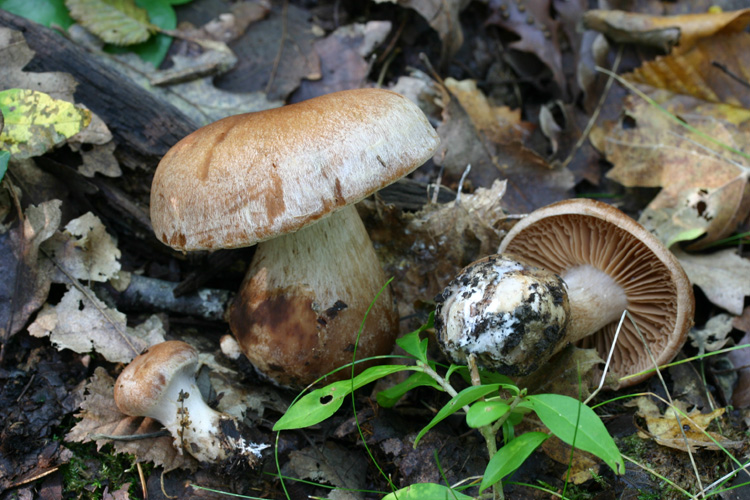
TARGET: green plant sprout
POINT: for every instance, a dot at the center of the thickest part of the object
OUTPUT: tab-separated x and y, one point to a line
493	403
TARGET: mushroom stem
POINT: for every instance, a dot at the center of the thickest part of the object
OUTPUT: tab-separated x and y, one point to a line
304	297
596	300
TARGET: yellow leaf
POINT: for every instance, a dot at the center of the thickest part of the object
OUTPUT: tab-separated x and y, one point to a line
36	122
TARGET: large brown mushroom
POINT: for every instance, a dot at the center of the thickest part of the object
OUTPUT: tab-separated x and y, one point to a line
288	178
609	263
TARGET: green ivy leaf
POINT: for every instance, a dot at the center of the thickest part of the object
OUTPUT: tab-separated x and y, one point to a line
484	413
510	457
465	397
561	413
36	122
423	491
119	22
321	403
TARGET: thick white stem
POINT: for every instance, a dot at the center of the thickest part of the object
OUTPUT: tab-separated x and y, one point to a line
596	300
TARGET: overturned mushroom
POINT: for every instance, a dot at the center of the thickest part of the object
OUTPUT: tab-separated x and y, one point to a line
609	263
160	384
291	176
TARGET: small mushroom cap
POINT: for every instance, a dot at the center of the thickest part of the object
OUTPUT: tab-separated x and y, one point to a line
659	295
250	177
142	383
510	315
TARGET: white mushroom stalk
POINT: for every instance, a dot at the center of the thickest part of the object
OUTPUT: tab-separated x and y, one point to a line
160	384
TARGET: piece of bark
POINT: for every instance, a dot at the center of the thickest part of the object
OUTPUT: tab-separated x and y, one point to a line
143	126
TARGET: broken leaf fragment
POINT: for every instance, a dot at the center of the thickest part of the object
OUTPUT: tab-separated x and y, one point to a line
36	122
119	22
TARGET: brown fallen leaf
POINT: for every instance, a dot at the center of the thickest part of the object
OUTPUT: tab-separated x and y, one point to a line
27	275
333	465
676	33
443	17
723	276
582	465
711	70
538	31
667	429
99	416
343	63
741	362
490	141
714	334
704	186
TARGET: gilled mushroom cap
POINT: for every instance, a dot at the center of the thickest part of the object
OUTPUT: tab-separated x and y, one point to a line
250	177
142	383
583	232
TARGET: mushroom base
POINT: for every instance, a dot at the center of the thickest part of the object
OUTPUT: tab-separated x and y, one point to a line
303	300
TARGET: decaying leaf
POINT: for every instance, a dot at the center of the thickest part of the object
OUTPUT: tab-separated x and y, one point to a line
100	416
704	186
343	63
582	464
36	122
26	275
538	31
676	33
85	251
713	335
572	372
723	276
83	323
425	250
330	464
490	141
119	22
741	362
15	54
667	429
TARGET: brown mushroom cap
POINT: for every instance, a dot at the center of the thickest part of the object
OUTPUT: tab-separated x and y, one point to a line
584	232
250	177
142	383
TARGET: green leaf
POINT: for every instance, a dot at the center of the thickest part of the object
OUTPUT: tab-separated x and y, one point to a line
45	12
412	344
35	122
510	457
484	413
321	403
560	414
119	22
4	157
465	397
389	397
424	491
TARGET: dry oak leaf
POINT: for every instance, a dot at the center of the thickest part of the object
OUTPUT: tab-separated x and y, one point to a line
723	276
667	429
100	417
704	186
678	33
539	33
714	70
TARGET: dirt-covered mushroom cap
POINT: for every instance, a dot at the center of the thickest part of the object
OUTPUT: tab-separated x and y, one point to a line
160	384
287	178
510	315
610	263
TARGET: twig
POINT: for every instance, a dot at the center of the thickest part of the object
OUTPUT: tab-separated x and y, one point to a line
130	437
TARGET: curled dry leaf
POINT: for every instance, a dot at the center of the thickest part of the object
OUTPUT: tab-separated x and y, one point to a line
100	416
713	335
678	33
667	429
704	186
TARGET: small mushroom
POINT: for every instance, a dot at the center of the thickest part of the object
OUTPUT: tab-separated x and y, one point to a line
609	263
287	179
160	384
